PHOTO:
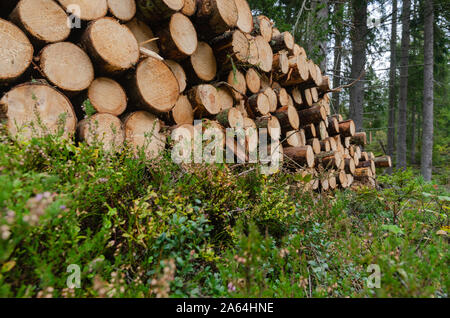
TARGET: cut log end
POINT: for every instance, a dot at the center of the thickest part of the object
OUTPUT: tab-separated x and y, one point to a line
114	54
104	129
107	96
294	138
383	162
142	133
273	99
302	155
16	52
183	113
189	7
156	85
43	20
264	27
227	15
265	54
225	98
203	62
183	34
237	81
67	66
179	73
359	138
34	109
347	128
259	103
124	10
245	18
156	11
204	100
253	81
88	10
231	118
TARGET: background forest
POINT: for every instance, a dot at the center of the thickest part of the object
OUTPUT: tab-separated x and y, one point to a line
388	45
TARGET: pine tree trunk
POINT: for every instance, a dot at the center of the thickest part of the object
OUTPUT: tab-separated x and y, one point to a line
359	43
337	57
401	144
323	45
392	88
427	134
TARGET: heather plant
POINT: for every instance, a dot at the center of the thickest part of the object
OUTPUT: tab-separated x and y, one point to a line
141	228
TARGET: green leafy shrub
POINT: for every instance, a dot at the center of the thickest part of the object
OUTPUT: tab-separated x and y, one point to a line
139	228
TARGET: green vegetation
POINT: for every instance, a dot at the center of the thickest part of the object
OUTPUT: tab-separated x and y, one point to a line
147	229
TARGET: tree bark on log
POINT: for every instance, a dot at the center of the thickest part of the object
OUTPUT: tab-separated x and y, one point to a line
313	115
282	41
359	138
347	128
383	162
302	155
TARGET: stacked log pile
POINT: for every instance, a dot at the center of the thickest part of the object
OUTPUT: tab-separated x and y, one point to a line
149	67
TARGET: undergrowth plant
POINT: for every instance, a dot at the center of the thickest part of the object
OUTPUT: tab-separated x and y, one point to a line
140	228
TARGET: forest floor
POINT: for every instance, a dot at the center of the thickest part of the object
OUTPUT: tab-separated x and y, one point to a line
143	229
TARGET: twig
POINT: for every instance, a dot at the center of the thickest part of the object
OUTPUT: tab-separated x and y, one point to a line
298	17
148	41
338	89
233	88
